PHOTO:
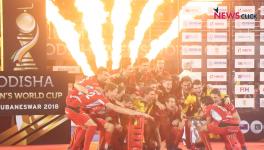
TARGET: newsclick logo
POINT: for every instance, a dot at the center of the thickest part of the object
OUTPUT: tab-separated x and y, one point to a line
232	15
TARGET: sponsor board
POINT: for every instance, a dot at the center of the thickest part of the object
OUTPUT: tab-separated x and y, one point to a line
261	63
192	24
244	89
217	37
33	92
222	88
261	36
244	24
244	63
216	24
261	50
216	49
192	50
216	76
244	76
261	76
244	50
261	102
196	63
256	127
216	63
261	24
262	10
191	37
244	126
244	102
244	37
245	9
261	89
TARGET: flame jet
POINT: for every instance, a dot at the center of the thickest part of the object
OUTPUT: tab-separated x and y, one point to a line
120	16
145	20
94	16
67	33
176	26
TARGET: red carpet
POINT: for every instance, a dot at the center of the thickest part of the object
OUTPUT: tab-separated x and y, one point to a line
216	146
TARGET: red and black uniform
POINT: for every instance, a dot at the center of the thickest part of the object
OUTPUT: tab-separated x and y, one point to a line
222	122
80	108
231	108
222	114
150	128
168	132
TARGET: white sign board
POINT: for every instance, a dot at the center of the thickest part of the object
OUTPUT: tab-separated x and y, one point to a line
244	24
191	37
245	50
244	89
216	49
192	24
244	63
216	76
216	63
196	63
244	102
217	24
244	76
192	50
244	37
216	36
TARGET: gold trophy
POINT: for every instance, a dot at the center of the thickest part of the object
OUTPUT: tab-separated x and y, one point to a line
28	36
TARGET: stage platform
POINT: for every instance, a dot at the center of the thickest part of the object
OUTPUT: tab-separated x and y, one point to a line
215	145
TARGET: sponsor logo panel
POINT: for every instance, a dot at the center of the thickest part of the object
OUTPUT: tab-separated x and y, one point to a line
244	89
244	102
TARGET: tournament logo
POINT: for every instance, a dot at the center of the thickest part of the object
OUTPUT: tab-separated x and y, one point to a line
27	36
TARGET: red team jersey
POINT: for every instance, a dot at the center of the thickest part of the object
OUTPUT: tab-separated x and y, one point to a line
93	102
229	107
219	115
80	107
219	109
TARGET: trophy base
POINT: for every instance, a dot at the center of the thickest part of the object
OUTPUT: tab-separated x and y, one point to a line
27	63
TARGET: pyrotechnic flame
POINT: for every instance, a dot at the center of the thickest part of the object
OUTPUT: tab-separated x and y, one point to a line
173	31
120	16
94	16
145	20
67	33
